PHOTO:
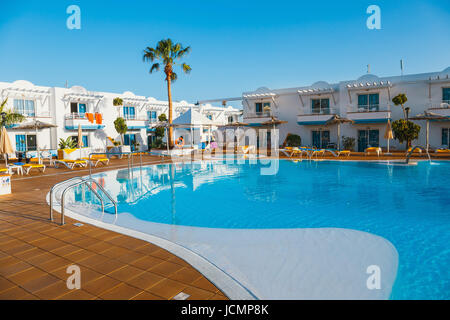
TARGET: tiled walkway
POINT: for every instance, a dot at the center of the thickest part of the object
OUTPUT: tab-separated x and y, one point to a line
35	253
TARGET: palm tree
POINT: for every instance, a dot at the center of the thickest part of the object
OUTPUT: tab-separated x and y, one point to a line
167	52
8	117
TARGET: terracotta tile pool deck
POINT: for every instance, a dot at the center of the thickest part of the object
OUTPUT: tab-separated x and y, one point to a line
35	253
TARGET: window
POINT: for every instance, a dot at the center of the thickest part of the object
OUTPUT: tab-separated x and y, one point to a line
85	141
262	107
129	112
152	116
446	95
129	139
369	102
26	142
230	119
368	138
209	116
320	139
446	137
78	109
320	106
24	107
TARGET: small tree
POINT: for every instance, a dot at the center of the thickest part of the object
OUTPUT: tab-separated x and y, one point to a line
405	130
348	143
400	100
162	117
117	102
121	127
293	140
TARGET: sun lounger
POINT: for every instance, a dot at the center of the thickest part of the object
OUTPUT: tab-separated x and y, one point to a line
4	170
416	150
247	149
442	151
370	150
27	167
344	153
71	163
96	160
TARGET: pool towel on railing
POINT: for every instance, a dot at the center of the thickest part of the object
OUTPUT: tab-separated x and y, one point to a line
90	117
98	118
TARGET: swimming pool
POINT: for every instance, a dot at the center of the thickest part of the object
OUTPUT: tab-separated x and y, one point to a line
407	205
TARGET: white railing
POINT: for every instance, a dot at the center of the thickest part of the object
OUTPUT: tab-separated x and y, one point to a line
445	104
369	108
319	111
257	114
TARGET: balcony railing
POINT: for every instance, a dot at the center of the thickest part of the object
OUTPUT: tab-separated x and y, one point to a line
319	111
75	115
263	114
445	104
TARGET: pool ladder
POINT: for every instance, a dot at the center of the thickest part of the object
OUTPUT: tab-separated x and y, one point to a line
82	181
412	151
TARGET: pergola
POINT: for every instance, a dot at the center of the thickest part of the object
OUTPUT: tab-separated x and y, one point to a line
427	116
335	119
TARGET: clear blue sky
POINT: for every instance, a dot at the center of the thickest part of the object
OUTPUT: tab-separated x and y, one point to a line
236	45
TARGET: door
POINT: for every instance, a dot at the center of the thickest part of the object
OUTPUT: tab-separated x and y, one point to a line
31	142
21	143
362	140
368	138
316	139
129	140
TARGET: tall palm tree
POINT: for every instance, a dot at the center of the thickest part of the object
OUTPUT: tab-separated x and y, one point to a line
167	53
9	117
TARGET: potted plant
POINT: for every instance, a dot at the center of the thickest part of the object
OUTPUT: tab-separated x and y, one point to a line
68	143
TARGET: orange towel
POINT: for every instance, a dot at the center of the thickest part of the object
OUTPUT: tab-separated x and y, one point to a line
98	118
90	117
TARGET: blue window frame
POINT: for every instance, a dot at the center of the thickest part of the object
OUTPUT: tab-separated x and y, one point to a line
21	142
129	112
369	102
320	106
129	139
24	107
446	137
446	95
368	138
258	107
151	115
320	139
85	140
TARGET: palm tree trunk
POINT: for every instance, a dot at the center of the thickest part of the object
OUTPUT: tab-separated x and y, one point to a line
169	95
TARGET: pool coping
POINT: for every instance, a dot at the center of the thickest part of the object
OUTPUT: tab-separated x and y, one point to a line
227	284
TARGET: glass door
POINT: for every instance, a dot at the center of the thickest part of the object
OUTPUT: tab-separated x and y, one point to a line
362	140
31	142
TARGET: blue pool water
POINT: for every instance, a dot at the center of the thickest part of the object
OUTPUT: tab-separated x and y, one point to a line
407	205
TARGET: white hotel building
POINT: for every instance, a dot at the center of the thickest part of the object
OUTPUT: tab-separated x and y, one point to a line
67	108
367	101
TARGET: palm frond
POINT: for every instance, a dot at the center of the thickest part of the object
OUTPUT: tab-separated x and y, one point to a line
154	67
173	77
186	68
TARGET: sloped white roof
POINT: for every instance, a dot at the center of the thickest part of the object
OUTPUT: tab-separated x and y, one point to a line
192	117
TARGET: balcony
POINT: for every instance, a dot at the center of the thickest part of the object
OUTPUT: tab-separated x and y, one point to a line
88	121
442	108
256	118
316	116
369	114
135	123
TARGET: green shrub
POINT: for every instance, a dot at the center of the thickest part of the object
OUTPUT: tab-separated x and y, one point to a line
293	140
117	102
405	130
68	143
348	143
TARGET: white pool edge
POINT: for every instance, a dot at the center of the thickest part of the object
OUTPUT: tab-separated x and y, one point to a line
225	283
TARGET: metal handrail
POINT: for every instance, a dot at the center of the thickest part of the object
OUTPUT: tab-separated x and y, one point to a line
83	181
130	158
412	151
53	188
